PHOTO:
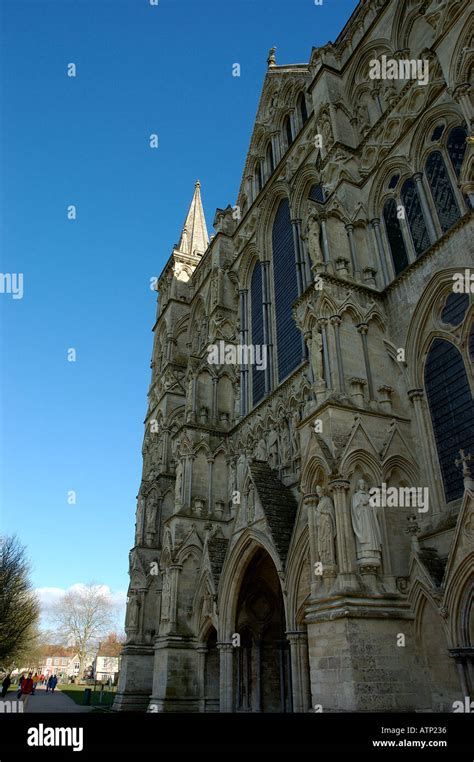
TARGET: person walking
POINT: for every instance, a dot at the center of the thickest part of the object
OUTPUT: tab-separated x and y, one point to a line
5	685
27	690
54	682
35	683
20	685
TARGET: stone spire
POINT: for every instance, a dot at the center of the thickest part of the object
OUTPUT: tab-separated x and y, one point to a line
194	238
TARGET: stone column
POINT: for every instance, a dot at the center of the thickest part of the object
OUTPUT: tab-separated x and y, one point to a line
194	399
375	225
215	381
166	436
462	96
322	322
346	551
310	502
226	676
363	328
243	341
267	325
430	225
188	480
258	677
174	578
201	672
304	257
299	269
352	246
298	640
426	453
275	137
210	507
324	241
336	322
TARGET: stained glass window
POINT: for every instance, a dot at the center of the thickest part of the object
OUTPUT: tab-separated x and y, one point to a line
288	131
455	308
441	190
393	181
256	306
437	132
302	108
395	237
452	411
270	161
414	216
289	345
456	146
316	193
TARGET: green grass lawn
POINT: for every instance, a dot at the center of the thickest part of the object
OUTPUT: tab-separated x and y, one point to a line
76	693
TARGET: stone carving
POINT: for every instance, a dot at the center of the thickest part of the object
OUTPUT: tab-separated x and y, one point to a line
273	448
165	597
151	510
261	451
284	442
316	354
366	526
326	528
178	486
139	522
133	610
295	438
314	245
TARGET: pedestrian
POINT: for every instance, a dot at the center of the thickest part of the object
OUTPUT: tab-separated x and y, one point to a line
54	682
5	685
35	683
27	689
20	685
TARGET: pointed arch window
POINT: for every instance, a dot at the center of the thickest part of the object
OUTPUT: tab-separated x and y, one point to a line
256	309
289	345
456	146
395	236
316	193
288	131
451	409
442	191
303	111
414	214
258	176
270	159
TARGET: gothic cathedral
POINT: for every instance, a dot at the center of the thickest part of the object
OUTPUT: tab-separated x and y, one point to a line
305	521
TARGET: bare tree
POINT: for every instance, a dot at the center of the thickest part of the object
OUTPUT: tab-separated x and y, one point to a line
19	608
84	616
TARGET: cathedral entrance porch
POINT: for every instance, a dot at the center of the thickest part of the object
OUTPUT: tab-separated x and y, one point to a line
261	665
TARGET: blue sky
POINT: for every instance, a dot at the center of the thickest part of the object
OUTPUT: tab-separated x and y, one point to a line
141	69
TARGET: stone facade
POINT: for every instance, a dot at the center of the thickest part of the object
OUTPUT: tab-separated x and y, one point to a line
262	576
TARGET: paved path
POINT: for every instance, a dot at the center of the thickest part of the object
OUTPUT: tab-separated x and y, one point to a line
51	702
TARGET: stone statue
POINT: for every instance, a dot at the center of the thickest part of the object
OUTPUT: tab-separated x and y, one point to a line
261	451
295	439
139	524
273	448
314	245
316	354
151	509
366	526
284	442
178	484
326	528
165	597
133	610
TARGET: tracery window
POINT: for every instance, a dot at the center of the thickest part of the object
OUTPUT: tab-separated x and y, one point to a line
456	147
289	345
414	215
256	311
303	111
451	409
442	191
395	236
316	193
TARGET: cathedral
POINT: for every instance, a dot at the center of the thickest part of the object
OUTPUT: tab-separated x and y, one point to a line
304	536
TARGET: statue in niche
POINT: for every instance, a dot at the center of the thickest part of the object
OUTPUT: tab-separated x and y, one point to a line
261	451
178	484
151	510
240	470
362	116
295	438
284	442
366	526
316	354
314	245
231	475
139	522
326	527
165	597
133	610
273	448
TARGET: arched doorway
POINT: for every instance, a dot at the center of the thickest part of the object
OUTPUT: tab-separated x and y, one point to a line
262	670
211	673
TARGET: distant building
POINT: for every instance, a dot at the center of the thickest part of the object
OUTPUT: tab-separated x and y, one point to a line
107	661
